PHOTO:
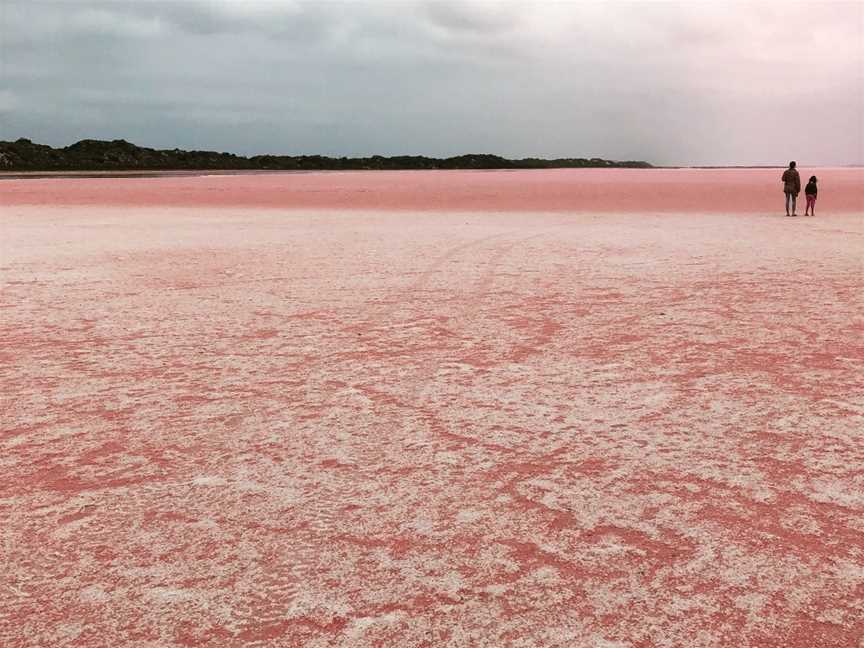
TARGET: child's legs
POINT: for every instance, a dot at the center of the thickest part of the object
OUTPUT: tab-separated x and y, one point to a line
811	204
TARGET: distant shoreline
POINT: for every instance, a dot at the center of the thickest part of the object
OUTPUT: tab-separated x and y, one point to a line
191	173
121	156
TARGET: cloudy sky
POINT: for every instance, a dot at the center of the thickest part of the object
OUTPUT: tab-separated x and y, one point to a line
694	82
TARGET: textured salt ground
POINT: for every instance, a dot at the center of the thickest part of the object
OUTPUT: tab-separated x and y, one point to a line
252	427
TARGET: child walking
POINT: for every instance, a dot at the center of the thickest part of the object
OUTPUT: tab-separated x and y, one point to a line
810	192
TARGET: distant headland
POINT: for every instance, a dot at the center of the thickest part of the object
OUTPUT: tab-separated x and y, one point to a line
120	155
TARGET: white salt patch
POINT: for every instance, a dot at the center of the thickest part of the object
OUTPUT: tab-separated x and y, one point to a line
497	590
468	515
94	594
447	457
546	575
281	493
423	525
356	396
450	583
70	631
170	594
209	480
834	615
545	484
834	492
605	643
133	460
358	626
550	500
752	603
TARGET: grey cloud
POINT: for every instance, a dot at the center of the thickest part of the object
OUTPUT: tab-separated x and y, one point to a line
305	21
472	17
670	82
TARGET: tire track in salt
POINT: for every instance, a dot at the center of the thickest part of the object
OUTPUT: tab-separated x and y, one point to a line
269	612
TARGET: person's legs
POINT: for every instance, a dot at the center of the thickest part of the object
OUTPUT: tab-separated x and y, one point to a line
788	197
794	200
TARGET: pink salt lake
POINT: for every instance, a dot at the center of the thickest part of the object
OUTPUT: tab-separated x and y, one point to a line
611	408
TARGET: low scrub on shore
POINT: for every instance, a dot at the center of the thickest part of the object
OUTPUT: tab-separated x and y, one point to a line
120	155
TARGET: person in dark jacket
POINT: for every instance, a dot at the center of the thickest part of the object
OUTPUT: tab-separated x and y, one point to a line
810	192
791	186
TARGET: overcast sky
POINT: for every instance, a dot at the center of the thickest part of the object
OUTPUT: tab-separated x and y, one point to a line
694	82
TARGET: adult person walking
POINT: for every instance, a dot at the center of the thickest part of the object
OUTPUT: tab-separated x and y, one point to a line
791	186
